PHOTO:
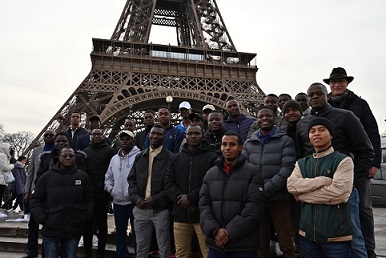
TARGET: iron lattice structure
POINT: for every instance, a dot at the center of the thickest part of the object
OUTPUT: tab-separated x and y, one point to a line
129	75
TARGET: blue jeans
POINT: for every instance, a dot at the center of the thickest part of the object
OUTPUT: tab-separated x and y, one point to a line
213	253
311	249
122	214
66	247
357	243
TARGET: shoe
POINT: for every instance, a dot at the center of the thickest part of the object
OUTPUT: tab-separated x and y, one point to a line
277	249
80	244
94	241
30	256
3	215
371	254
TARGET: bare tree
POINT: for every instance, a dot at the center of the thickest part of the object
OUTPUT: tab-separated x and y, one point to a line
19	141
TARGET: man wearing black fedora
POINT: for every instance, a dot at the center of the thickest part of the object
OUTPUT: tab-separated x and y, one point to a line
341	97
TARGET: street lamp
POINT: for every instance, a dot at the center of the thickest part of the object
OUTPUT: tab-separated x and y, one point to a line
169	99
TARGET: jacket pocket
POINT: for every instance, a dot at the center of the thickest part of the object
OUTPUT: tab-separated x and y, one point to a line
55	218
79	214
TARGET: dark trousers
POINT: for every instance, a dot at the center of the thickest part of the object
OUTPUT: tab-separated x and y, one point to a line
366	214
33	235
100	218
122	215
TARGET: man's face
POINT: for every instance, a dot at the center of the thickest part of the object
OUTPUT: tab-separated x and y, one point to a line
75	119
148	120
49	136
197	121
215	122
292	115
233	108
271	102
163	116
184	112
129	125
230	148
67	158
303	101
157	137
194	136
317	97
265	119
96	136
338	86
320	137
127	142
282	100
61	141
94	124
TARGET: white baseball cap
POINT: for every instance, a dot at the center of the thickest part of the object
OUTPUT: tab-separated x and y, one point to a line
184	104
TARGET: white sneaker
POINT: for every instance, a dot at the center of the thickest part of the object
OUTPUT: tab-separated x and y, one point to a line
80	244
277	249
3	215
94	241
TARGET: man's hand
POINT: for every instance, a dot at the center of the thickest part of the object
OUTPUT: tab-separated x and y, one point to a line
183	201
26	197
221	238
192	209
140	203
149	203
372	172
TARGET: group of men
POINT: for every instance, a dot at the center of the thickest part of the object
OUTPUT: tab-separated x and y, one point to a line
301	174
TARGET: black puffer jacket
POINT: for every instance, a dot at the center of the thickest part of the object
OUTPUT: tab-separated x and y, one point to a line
184	176
275	159
361	109
138	178
214	141
63	202
98	161
350	138
234	202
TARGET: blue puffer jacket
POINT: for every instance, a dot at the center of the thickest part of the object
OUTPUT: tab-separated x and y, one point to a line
240	127
275	159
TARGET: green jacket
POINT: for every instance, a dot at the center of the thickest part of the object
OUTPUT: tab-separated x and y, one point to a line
324	222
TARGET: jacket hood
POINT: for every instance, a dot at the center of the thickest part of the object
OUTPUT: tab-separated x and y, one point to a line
133	152
278	133
4	148
203	148
239	162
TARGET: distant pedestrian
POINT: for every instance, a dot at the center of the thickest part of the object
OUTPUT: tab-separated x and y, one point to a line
5	166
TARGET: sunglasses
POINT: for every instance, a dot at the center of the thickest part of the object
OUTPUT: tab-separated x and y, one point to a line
48	135
64	155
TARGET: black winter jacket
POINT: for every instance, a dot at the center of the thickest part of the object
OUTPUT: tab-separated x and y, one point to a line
361	109
234	202
63	202
50	158
184	176
350	138
276	161
214	141
98	161
138	178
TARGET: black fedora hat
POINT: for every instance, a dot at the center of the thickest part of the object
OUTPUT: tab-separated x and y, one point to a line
338	73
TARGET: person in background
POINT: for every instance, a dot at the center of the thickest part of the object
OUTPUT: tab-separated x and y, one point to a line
205	112
148	122
117	186
283	98
216	131
63	203
341	97
83	141
75	129
302	99
237	122
16	188
5	166
33	226
185	110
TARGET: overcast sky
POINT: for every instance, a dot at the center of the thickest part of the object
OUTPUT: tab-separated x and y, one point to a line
45	47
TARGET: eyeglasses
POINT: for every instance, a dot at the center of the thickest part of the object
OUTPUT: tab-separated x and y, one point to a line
48	135
96	134
65	156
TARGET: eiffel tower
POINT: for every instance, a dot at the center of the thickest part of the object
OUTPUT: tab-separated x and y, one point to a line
130	75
